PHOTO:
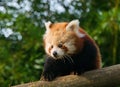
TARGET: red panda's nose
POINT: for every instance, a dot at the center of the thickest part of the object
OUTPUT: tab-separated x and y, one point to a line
55	54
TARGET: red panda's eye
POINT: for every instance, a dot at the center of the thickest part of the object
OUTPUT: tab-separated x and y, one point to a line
51	46
60	45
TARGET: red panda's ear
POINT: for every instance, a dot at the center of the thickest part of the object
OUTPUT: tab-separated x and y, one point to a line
73	25
47	25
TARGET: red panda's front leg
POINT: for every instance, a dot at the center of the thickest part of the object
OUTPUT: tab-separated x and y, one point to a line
50	70
55	68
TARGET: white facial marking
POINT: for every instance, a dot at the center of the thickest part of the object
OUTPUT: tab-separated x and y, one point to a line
47	47
70	46
59	51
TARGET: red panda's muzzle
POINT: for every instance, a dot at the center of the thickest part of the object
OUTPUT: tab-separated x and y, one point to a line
55	54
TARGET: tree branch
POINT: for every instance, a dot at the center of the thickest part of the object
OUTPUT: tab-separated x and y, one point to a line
105	77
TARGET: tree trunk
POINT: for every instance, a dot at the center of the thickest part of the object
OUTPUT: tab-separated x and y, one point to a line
105	77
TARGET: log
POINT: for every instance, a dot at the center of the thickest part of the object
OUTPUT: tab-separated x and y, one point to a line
104	77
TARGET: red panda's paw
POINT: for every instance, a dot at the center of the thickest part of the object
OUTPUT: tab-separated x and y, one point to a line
48	76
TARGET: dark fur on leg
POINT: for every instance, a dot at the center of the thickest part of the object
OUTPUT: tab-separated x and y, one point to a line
54	68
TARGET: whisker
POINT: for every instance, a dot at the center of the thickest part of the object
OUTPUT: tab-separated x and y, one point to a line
63	58
69	59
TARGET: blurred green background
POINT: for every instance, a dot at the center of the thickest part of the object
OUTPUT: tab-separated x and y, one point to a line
22	27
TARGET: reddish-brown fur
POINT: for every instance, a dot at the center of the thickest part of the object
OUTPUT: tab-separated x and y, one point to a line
61	30
85	57
98	61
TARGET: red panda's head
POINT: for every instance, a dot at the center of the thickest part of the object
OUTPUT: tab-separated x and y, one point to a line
62	39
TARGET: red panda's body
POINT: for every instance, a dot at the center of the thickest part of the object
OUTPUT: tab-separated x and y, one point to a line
69	49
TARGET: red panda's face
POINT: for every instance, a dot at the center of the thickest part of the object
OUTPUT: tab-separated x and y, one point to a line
60	42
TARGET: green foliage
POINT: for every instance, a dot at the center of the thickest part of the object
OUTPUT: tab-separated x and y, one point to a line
22	52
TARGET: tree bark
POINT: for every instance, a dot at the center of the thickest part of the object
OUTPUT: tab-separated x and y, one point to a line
105	77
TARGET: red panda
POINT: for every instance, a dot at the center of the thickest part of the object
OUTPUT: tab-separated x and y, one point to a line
69	49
